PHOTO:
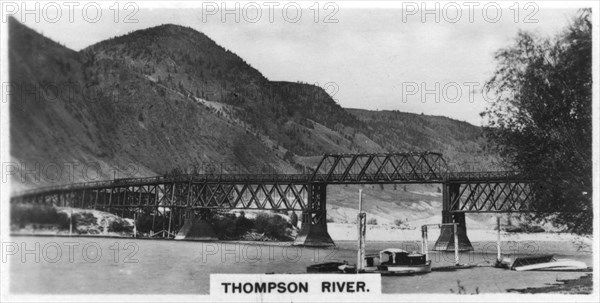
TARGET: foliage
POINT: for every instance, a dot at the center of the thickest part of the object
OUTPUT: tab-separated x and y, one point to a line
372	221
120	225
228	226
541	121
83	219
398	222
144	223
271	225
22	215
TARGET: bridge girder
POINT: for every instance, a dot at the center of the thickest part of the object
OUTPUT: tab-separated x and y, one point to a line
471	191
265	196
490	196
381	168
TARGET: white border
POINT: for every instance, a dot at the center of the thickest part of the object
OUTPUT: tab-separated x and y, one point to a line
501	297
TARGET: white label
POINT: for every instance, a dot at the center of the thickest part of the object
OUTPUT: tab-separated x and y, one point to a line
257	287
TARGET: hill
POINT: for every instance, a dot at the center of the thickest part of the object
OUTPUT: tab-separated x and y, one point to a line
462	144
189	63
169	99
114	117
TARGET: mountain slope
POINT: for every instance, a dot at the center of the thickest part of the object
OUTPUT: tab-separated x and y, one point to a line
190	63
169	99
463	145
113	118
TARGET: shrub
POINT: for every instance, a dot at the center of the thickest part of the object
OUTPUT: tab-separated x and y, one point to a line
63	221
398	222
120	225
83	219
22	214
143	223
372	221
224	225
242	225
228	226
272	226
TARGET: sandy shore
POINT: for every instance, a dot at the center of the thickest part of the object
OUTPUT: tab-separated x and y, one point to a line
348	232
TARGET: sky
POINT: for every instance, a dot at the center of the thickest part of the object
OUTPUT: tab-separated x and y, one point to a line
376	56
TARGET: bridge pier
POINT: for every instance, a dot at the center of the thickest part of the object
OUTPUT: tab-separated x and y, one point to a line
446	238
314	219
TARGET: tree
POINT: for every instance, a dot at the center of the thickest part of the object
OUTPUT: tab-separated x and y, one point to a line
541	121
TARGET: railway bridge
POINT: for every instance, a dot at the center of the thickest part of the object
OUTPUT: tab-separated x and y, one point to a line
181	202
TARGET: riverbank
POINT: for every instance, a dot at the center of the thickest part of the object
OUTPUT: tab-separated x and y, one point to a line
390	233
379	233
581	286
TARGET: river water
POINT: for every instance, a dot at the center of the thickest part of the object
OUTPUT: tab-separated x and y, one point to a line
63	265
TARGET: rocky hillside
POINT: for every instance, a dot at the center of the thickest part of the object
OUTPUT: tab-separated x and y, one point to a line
169	99
108	113
462	144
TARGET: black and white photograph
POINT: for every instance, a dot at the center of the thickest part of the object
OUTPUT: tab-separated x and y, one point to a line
299	151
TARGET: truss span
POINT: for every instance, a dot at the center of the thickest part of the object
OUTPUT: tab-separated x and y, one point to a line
496	191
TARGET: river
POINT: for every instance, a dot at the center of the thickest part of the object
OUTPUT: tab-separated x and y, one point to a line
63	265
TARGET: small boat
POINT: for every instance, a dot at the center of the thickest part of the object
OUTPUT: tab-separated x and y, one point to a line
392	261
328	267
543	263
398	260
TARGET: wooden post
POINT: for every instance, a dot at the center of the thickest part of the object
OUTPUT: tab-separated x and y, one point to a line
424	248
456	244
154	209
499	256
171	208
71	223
82	199
170	218
96	199
189	195
110	198
124	202
361	235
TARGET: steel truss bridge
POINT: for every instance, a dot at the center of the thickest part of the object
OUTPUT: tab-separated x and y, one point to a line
175	198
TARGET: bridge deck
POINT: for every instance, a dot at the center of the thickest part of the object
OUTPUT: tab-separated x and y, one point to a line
450	177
